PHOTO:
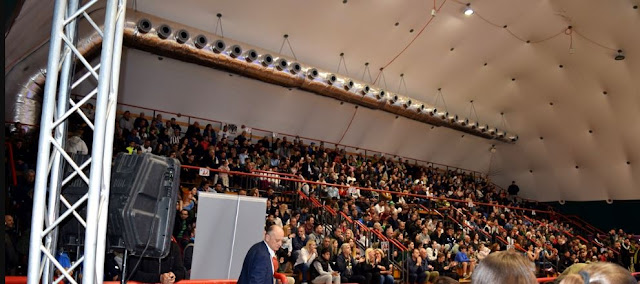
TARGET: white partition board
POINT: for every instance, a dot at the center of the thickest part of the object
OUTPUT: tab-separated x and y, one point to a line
227	226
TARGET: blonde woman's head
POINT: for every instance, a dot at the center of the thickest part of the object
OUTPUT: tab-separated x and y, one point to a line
600	273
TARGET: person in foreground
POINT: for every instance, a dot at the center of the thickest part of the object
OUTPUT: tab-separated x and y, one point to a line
600	272
504	267
260	262
167	270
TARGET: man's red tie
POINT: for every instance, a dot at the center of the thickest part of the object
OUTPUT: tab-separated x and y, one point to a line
275	264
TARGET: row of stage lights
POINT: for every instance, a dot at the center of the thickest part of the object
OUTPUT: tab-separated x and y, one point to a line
294	68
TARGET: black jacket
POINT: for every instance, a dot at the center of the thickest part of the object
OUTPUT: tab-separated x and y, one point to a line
147	271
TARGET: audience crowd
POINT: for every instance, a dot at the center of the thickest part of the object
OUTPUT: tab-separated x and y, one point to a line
449	221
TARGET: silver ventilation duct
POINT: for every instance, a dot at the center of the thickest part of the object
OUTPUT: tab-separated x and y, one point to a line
152	34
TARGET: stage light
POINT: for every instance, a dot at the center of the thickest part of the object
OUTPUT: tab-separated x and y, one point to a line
163	31
419	108
513	138
500	134
281	64
144	26
251	55
620	55
218	46
492	131
235	51
431	111
295	68
312	73
348	84
266	60
463	122
365	90
483	128
330	78
472	124
381	95
443	115
407	104
453	118
200	41
182	36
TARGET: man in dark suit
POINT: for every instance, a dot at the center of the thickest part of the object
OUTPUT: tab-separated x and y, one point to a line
260	262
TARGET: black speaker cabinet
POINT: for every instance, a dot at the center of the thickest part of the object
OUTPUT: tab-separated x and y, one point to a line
142	203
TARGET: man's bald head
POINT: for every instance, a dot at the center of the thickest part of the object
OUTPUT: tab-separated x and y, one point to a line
274	236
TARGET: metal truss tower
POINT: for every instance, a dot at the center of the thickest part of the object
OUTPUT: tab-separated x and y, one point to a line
50	208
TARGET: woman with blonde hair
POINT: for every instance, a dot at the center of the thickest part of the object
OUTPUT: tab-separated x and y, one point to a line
306	257
600	273
504	267
386	271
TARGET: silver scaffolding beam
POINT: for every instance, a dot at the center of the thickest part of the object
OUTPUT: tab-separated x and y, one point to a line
57	107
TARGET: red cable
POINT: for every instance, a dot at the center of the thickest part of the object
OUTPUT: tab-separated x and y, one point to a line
348	126
411	42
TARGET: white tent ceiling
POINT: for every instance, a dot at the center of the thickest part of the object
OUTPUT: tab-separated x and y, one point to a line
558	104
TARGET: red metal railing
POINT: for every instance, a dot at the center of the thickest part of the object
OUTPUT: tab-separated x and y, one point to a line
12	163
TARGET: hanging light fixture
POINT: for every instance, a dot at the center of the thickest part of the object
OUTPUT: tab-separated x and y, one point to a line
467	10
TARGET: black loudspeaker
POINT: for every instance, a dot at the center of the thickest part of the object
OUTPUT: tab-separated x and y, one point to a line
142	203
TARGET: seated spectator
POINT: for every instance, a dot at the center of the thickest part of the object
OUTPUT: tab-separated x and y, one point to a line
384	267
444	267
305	259
75	144
321	272
348	266
464	261
505	267
414	268
428	269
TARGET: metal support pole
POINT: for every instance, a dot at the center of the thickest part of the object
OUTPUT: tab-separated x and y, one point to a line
47	215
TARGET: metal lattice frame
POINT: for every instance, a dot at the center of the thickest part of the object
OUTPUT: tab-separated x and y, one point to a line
57	106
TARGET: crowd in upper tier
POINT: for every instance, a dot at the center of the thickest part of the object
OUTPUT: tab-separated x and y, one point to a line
449	243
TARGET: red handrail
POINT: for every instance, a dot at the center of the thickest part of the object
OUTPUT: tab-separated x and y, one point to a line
12	163
367	189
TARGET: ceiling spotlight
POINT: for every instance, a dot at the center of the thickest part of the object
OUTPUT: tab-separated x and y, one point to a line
266	60
348	84
467	10
483	128
513	138
218	46
492	131
453	118
407	104
295	68
381	95
463	122
431	111
235	51
312	73
281	64
331	79
251	55
416	107
365	90
443	115
501	134
394	100
620	55
472	124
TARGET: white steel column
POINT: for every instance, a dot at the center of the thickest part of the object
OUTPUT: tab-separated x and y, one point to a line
47	212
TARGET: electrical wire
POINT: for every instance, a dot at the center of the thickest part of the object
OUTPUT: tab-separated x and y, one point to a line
411	42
